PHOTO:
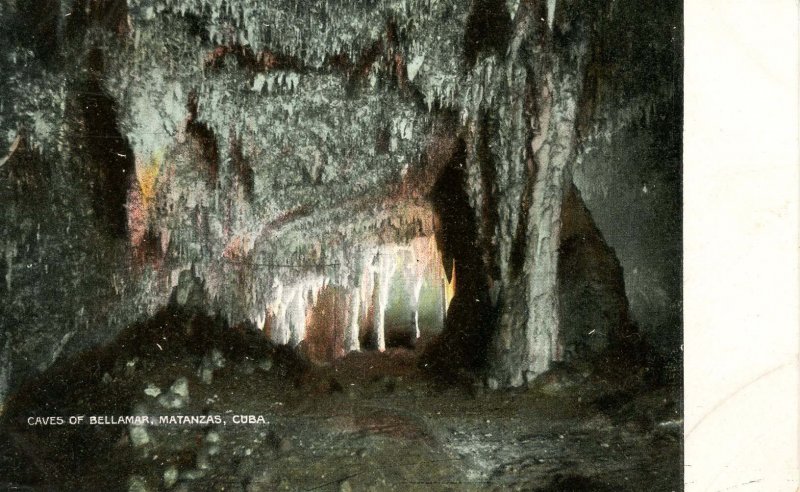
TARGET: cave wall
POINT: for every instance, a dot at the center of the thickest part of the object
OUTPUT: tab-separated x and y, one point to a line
158	150
631	179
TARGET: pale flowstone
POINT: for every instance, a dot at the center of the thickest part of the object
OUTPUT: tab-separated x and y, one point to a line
206	370
206	374
265	364
192	474
217	359
202	462
180	387
139	435
170	476
152	390
171	400
137	484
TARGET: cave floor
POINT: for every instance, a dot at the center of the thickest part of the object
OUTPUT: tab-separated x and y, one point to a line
372	421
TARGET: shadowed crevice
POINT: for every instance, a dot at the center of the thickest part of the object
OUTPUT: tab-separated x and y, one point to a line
467	329
109	159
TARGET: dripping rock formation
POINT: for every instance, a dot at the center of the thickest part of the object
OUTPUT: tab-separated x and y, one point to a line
487	192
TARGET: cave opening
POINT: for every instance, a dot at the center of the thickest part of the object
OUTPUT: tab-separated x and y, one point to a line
413	304
465	337
415	315
394	298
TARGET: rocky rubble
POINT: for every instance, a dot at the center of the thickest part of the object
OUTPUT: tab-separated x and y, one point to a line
372	419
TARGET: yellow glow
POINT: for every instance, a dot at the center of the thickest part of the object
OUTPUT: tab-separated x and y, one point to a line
450	287
148	176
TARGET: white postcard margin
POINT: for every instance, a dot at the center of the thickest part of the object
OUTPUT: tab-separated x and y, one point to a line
741	220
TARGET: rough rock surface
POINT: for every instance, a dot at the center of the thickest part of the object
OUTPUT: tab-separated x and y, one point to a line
371	421
158	151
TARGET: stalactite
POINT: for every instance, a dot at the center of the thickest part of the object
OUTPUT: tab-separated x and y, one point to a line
384	268
551	12
280	332
351	336
10	254
296	316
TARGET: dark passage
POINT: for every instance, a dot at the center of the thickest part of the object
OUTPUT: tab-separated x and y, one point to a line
109	160
463	342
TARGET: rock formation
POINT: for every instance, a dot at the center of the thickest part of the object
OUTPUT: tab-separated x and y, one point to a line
269	160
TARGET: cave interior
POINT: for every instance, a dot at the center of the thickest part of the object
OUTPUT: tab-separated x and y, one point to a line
369	245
